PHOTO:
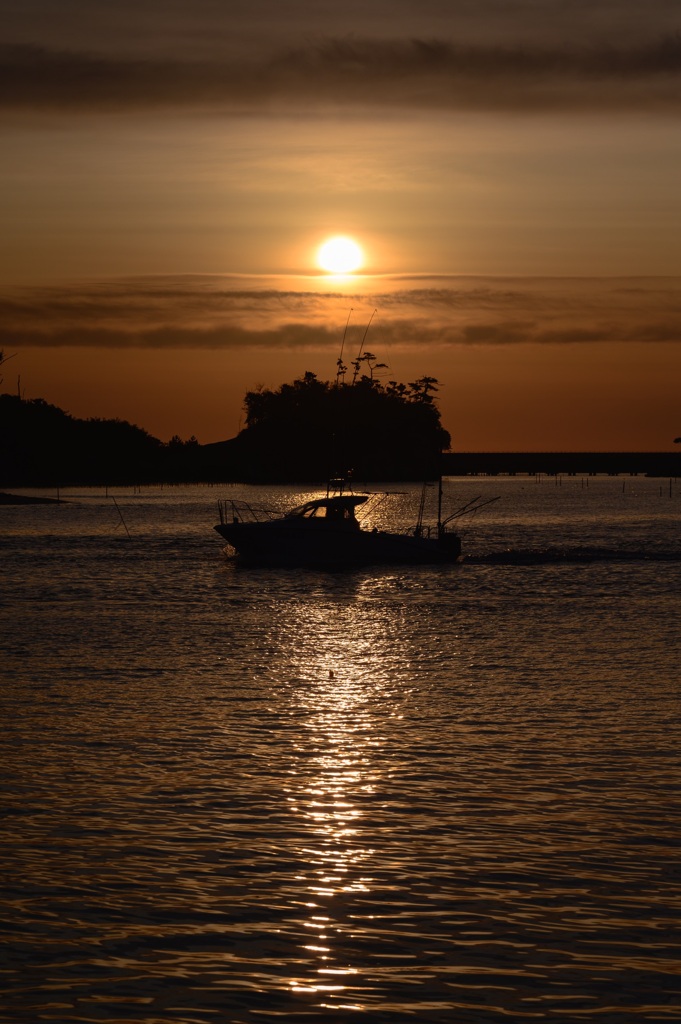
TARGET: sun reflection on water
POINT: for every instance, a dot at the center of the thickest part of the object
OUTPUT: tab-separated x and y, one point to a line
343	662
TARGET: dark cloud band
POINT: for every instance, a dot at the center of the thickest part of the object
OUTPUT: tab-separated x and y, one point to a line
213	313
421	74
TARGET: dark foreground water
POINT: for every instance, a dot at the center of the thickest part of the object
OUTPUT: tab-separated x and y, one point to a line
426	795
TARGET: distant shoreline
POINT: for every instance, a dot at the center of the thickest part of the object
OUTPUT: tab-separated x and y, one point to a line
24	499
456	464
662	464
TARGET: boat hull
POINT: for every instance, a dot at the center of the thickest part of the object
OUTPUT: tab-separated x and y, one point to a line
284	543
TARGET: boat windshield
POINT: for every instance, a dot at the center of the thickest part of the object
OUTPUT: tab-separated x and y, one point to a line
307	511
327	508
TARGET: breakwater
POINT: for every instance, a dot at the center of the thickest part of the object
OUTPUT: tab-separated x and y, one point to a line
664	464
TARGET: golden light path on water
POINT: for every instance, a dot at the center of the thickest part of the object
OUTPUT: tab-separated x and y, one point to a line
343	672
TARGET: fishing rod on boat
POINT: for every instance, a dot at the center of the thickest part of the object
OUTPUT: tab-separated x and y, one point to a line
422	507
340	372
469	508
440	524
359	354
374	501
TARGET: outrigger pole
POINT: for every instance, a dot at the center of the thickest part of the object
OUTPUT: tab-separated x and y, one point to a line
470	507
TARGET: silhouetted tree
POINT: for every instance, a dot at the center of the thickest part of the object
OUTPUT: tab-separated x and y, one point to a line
312	429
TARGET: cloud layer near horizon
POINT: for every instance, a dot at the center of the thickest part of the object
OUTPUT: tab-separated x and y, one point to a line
234	313
412	73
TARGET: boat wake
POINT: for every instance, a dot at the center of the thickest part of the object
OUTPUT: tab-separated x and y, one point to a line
571	556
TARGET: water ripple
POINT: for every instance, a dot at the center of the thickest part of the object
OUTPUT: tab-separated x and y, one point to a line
435	795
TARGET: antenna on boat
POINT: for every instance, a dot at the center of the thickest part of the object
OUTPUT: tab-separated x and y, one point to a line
359	354
340	371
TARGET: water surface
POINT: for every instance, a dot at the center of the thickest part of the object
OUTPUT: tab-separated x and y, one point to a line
432	794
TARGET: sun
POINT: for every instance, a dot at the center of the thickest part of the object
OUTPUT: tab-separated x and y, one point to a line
340	255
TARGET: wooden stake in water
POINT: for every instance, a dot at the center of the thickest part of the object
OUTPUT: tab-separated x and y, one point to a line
125	526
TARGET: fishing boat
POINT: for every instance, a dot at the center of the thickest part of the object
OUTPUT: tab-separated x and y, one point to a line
326	533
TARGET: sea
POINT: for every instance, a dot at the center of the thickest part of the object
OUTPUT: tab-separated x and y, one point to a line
445	793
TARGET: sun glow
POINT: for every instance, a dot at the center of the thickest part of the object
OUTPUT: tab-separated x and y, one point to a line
340	255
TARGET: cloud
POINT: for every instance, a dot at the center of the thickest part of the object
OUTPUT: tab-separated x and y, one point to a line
206	27
234	313
349	73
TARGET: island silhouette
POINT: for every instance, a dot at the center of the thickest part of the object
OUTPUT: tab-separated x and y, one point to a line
305	431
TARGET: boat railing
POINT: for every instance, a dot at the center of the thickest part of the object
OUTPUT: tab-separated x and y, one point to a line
231	511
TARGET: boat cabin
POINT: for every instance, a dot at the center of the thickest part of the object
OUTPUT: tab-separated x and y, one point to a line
339	509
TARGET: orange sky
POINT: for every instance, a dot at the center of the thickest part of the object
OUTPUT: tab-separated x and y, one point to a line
510	171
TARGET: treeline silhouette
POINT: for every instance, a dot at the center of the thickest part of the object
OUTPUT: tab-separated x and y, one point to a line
308	431
43	446
313	429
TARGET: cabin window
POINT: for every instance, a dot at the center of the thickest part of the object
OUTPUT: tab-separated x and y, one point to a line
337	512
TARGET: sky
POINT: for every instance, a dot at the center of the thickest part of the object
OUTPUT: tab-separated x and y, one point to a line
510	169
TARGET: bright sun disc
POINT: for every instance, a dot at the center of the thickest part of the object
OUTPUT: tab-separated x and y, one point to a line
339	255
